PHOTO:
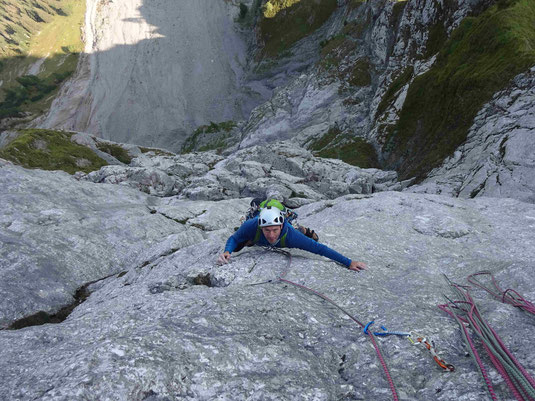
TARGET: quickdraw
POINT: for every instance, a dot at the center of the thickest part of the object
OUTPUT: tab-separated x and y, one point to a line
431	348
415	339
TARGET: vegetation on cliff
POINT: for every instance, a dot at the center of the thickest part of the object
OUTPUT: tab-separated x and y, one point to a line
292	21
353	150
214	136
40	45
51	150
481	57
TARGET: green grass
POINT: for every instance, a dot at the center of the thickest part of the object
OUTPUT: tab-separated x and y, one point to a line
116	151
55	40
437	38
209	137
353	4
352	150
51	150
399	82
397	11
360	74
482	56
273	7
293	23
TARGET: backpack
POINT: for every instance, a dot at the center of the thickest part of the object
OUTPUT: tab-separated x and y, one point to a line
257	204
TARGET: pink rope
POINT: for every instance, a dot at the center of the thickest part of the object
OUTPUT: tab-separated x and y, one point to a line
378	351
508	296
474	319
488	382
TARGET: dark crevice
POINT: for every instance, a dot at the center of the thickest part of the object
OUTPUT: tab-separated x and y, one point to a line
203	279
41	317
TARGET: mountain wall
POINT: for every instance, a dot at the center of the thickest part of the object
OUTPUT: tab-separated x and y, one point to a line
162	321
154	71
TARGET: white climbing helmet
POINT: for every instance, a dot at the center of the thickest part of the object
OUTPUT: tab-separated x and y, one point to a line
270	216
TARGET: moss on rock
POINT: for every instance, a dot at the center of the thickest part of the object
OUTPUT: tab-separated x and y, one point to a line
292	23
213	136
116	151
483	54
51	150
350	149
360	74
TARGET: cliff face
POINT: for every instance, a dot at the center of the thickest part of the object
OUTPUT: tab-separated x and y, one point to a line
155	71
408	77
108	283
162	321
416	79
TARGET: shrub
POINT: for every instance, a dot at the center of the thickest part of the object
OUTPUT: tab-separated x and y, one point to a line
353	150
116	151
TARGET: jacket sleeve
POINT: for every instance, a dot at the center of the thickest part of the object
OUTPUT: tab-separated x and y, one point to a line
246	232
301	241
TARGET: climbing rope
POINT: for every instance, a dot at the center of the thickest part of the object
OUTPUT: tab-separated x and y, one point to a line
508	296
370	334
466	314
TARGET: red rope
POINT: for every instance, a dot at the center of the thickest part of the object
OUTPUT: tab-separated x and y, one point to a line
508	296
372	337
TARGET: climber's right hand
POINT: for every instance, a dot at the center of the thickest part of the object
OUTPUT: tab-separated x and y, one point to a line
224	258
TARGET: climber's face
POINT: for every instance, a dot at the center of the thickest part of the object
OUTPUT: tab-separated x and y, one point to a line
272	233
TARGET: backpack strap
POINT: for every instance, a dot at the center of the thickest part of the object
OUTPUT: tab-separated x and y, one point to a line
259	233
283	240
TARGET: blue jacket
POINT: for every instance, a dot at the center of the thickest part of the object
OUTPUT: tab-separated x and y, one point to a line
294	239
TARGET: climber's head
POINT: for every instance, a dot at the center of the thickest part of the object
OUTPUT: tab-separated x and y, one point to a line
271	220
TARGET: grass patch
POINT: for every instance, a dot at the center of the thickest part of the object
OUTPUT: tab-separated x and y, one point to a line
51	150
116	151
209	137
292	23
352	150
394	87
360	74
45	34
273	7
437	38
354	4
355	29
397	11
482	56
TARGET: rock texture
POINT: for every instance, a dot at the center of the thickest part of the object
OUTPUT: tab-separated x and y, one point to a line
282	170
176	326
57	234
498	158
388	36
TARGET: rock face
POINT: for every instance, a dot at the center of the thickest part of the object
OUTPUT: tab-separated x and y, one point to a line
161	320
386	37
176	326
57	234
498	158
155	71
282	170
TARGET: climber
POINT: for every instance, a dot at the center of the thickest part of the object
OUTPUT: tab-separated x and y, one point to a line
270	228
257	204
